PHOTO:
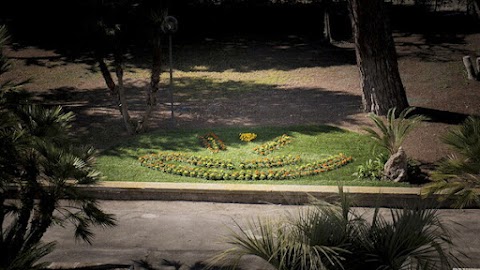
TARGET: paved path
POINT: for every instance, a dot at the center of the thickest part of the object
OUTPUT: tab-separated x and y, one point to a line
193	231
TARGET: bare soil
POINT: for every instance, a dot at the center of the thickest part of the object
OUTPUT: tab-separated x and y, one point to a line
242	81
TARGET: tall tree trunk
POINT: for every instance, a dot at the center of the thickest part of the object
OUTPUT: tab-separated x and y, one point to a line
376	57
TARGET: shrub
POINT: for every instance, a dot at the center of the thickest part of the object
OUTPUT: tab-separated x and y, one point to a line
331	237
372	169
458	175
393	132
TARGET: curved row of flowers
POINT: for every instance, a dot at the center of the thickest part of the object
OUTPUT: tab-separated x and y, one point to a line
212	142
210	162
273	145
195	166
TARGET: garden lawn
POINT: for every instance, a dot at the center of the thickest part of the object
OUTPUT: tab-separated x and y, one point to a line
310	143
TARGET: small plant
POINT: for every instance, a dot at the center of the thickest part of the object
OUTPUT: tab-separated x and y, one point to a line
372	169
247	137
392	133
458	175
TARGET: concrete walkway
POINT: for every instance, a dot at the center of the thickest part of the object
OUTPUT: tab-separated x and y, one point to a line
190	232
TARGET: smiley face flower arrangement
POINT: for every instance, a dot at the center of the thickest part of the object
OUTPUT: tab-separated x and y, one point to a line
247	137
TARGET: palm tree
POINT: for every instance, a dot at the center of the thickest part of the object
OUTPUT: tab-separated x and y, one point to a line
458	175
335	237
40	159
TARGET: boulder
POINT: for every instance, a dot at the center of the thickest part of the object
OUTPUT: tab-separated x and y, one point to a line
395	168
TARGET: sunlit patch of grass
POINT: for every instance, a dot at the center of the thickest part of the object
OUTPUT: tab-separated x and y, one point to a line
309	142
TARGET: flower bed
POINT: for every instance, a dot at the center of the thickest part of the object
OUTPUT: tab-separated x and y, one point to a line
278	168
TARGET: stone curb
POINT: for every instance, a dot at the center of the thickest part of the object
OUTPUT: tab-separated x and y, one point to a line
252	193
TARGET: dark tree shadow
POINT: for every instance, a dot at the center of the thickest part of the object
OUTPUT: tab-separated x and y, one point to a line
439	116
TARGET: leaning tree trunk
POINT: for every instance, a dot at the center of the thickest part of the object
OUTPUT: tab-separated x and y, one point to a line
116	89
376	57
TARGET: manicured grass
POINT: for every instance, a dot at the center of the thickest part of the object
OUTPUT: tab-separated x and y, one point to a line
309	142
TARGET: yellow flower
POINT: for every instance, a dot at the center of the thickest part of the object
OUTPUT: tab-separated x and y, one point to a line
247	137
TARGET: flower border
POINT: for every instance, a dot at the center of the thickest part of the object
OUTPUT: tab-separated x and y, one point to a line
216	169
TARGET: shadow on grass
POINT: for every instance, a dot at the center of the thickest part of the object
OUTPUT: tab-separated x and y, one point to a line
188	140
204	104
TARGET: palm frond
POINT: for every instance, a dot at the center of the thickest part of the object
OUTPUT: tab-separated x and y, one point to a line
414	237
28	259
393	130
457	176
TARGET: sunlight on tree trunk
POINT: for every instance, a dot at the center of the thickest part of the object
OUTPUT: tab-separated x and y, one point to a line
376	57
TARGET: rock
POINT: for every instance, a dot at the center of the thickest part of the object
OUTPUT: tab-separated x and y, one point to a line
395	168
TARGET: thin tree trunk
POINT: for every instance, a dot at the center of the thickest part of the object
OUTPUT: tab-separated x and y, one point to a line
151	99
327	31
106	73
376	57
122	100
117	89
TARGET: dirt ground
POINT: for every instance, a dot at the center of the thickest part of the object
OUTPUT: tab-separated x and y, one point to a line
240	81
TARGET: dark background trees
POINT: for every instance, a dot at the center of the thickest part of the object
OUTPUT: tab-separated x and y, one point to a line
67	27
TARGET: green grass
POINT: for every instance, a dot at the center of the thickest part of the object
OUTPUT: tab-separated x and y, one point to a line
121	163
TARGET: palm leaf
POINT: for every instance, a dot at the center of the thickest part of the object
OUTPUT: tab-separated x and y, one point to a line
393	130
458	175
28	259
